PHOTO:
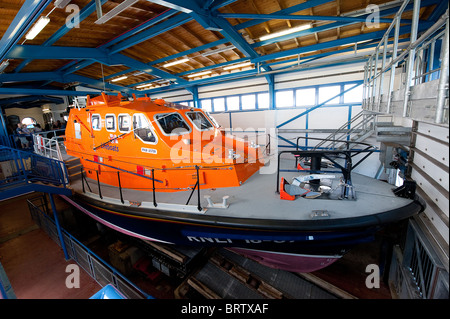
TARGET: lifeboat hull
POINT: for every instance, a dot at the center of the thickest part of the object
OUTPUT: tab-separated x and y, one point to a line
299	250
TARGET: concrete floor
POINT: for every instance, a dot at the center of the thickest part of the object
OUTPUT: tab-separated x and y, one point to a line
33	262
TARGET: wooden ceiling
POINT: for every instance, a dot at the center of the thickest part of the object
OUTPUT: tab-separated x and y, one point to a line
179	34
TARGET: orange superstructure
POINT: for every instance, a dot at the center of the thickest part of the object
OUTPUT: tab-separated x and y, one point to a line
142	141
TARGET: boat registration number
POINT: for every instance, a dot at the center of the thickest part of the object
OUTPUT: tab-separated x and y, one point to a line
148	150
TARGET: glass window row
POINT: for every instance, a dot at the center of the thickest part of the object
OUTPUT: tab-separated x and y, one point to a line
303	97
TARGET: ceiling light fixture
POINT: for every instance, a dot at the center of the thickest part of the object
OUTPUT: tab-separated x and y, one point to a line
198	74
175	62
61	3
40	24
4	65
230	47
285	32
144	86
236	66
120	78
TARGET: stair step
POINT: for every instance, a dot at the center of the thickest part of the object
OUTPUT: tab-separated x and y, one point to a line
72	159
78	166
75	174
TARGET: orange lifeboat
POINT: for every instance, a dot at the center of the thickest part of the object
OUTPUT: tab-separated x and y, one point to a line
138	142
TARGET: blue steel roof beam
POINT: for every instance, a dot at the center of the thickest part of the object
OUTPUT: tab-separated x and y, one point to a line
132	63
335	25
98	84
145	25
295	17
344	41
23	20
438	11
59	77
29	91
118	73
213	66
142	26
190	51
56	52
215	79
78	66
293	9
30	76
217	4
10	101
53	52
142	83
84	13
150	33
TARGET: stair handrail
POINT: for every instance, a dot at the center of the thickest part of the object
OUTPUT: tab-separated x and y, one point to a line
345	132
48	147
26	171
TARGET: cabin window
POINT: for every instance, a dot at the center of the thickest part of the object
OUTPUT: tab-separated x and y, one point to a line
96	122
124	123
212	119
172	124
199	120
142	129
110	122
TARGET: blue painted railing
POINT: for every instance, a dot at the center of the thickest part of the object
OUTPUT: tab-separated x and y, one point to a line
20	168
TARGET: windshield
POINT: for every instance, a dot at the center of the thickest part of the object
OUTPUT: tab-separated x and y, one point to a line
141	128
200	121
172	124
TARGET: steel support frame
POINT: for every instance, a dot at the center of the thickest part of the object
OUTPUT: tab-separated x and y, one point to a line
357	83
443	80
411	57
24	19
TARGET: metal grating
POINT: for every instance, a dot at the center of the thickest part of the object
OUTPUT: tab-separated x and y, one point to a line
418	273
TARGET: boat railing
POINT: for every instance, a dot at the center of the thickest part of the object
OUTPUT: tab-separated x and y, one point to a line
153	178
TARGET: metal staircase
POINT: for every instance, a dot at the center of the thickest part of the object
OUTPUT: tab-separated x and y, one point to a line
360	127
22	172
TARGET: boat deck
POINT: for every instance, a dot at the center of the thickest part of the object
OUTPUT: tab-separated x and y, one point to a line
257	198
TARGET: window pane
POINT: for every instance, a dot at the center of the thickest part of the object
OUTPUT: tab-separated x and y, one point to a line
305	97
172	123
263	101
248	102
233	103
327	92
142	128
199	120
96	123
353	96
284	98
206	105
124	123
110	122
219	104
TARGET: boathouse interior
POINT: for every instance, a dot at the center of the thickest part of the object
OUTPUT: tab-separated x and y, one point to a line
281	73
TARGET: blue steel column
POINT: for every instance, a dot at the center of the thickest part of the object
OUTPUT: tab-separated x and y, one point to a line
271	80
58	227
3	129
